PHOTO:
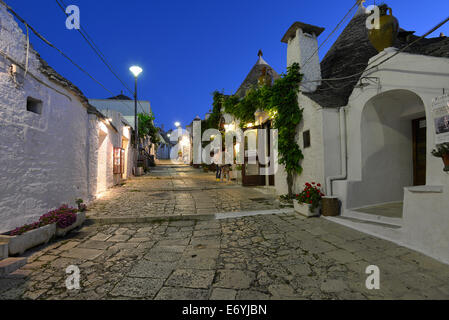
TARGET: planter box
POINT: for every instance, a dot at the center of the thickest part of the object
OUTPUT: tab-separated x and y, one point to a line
138	171
30	239
236	175
80	218
304	209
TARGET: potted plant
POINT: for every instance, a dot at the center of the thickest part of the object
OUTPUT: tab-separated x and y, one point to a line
442	151
57	222
238	172
28	236
69	218
308	202
139	170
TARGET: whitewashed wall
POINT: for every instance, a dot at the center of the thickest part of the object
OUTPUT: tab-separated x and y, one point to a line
411	82
43	158
301	49
421	78
324	128
109	137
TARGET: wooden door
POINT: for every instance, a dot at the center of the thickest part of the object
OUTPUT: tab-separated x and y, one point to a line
251	173
419	151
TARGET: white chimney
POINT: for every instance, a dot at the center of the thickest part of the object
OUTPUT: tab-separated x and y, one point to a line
302	48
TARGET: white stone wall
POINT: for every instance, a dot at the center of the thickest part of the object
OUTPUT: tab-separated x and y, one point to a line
43	158
301	49
407	85
109	137
324	135
92	156
421	79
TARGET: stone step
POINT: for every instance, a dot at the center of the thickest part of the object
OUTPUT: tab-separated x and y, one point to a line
384	231
3	250
370	222
10	265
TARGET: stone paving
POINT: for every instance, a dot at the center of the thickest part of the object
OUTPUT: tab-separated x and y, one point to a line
178	191
264	257
283	256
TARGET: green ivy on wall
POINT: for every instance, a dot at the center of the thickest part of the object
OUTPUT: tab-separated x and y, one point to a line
281	102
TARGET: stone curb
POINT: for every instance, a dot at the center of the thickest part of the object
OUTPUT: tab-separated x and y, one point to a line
198	217
189	189
123	220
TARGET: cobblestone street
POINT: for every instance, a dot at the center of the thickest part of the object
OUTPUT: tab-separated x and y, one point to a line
177	191
276	256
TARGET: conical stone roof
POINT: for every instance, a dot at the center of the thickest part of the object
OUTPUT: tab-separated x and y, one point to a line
252	78
351	53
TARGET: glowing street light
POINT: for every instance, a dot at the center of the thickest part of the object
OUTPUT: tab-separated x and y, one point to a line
177	124
136	71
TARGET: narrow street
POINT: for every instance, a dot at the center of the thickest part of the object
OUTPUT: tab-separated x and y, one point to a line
156	238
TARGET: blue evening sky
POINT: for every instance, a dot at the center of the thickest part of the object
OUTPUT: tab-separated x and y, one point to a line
188	49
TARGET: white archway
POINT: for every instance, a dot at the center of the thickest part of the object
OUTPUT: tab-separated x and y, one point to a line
388	146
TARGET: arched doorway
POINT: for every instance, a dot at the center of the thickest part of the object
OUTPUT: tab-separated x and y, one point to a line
393	133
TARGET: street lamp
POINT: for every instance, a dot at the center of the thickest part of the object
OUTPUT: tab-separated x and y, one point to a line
135	70
177	124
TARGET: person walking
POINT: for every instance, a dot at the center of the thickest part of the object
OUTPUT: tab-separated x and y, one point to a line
217	161
224	167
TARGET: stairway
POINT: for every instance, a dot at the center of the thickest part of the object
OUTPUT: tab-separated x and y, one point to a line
9	265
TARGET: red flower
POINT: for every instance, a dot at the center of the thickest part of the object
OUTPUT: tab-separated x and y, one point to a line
319	184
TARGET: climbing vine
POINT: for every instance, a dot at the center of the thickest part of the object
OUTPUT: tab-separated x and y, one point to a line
147	128
281	102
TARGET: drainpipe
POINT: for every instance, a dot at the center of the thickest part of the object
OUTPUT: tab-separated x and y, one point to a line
343	156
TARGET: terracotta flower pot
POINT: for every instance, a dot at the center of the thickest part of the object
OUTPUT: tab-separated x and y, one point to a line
446	162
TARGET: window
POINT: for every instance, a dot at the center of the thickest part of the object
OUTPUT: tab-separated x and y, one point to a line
306	139
119	162
34	105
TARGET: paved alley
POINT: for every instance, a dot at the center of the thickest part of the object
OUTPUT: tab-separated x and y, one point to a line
277	256
177	190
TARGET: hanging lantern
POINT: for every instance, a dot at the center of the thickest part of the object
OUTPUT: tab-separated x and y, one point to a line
385	36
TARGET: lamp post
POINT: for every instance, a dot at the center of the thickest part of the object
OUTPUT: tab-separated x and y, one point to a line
136	71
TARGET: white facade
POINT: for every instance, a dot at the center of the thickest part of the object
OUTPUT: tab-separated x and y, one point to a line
115	133
302	48
380	161
49	143
125	107
376	166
